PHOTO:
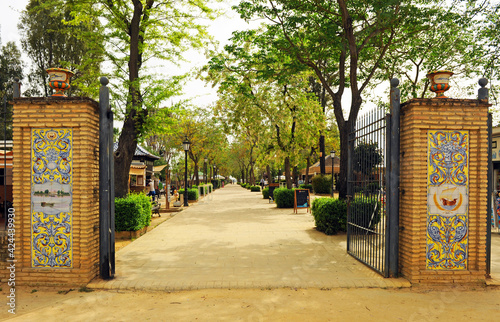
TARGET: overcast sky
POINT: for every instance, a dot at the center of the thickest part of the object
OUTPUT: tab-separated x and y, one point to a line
221	29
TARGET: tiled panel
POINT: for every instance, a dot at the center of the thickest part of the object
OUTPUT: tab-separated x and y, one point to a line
51	198
447	199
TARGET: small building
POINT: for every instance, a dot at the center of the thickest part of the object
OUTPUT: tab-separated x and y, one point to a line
5	175
141	169
315	168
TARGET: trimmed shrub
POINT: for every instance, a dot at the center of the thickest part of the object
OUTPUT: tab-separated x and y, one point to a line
330	215
132	212
283	197
306	186
192	193
265	193
255	188
322	183
365	212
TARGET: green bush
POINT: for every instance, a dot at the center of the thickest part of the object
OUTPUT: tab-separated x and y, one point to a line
322	183
192	193
265	193
306	186
283	197
330	215
132	212
372	187
255	188
362	210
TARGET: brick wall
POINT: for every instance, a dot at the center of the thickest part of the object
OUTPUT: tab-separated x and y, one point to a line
81	115
418	116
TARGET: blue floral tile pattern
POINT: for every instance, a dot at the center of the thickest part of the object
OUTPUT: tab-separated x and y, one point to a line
51	198
447	200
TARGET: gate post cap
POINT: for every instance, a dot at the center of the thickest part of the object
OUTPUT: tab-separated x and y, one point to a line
483	82
104	80
394	82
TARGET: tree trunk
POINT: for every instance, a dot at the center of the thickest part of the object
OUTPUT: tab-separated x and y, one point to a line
135	117
196	174
268	169
306	180
322	163
123	157
252	176
287	173
296	176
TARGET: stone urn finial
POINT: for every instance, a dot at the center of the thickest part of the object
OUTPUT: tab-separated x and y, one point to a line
59	80
439	82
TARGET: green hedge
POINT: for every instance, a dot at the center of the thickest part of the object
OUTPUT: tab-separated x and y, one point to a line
362	210
306	186
255	188
283	197
132	212
207	188
193	194
322	183
265	193
330	215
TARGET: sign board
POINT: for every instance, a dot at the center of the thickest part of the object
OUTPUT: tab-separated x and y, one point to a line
301	199
272	186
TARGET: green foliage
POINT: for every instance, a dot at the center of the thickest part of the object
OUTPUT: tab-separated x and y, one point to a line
265	193
366	157
50	41
330	215
207	188
283	197
132	212
193	194
365	212
306	186
10	66
255	188
322	183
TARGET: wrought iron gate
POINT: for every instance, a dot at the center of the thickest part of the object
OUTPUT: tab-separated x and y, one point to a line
6	164
373	184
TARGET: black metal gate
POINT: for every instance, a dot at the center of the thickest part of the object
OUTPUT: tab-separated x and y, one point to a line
373	181
6	162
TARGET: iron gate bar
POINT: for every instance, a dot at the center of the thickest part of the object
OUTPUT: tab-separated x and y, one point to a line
366	240
4	176
373	189
393	180
489	212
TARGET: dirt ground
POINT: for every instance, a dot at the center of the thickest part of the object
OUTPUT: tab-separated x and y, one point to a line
359	304
277	304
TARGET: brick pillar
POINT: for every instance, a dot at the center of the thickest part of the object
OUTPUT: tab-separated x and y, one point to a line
443	209
56	190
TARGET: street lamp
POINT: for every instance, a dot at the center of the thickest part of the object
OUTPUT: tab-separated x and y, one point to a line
185	145
332	157
205	166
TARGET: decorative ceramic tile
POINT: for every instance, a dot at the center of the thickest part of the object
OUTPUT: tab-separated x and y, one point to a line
51	197
447	199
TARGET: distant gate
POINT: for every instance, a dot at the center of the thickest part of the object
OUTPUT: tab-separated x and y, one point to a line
373	184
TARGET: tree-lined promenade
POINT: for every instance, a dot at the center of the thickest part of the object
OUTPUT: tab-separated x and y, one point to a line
288	92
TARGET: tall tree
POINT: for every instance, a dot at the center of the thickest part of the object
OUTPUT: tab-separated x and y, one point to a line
134	32
344	42
263	87
10	67
51	38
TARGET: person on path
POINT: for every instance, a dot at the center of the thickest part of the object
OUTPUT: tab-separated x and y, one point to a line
151	187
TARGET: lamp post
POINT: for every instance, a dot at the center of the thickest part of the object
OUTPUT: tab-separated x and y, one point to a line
332	157
185	145
205	166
